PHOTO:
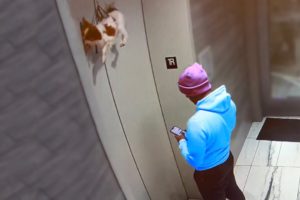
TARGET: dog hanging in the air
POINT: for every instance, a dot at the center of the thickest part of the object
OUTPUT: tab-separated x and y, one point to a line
102	34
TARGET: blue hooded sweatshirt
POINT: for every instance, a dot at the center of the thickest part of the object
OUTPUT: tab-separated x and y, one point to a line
207	142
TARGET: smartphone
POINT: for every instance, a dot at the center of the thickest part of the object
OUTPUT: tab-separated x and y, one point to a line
176	130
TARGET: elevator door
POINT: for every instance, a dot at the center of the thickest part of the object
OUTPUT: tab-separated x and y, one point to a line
279	52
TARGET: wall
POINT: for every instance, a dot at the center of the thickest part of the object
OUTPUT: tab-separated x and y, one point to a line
184	29
253	46
125	106
49	147
220	25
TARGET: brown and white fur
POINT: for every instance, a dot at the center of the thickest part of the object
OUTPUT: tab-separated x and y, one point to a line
112	27
120	21
109	28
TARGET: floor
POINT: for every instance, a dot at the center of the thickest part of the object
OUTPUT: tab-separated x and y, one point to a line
268	169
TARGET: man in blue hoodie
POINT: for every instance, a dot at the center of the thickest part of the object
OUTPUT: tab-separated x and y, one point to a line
206	144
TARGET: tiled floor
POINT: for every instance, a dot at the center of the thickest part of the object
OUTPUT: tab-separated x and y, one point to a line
268	170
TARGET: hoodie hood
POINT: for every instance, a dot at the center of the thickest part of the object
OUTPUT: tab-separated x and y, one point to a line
218	101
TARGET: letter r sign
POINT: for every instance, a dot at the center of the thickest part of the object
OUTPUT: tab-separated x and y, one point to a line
171	62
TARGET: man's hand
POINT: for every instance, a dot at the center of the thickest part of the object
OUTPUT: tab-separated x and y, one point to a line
179	137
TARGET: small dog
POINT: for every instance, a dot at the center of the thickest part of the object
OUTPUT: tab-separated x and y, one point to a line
104	34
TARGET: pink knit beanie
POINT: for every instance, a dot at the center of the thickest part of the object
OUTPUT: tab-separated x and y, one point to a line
194	81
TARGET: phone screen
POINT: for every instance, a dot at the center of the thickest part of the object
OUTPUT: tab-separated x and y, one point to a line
176	130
